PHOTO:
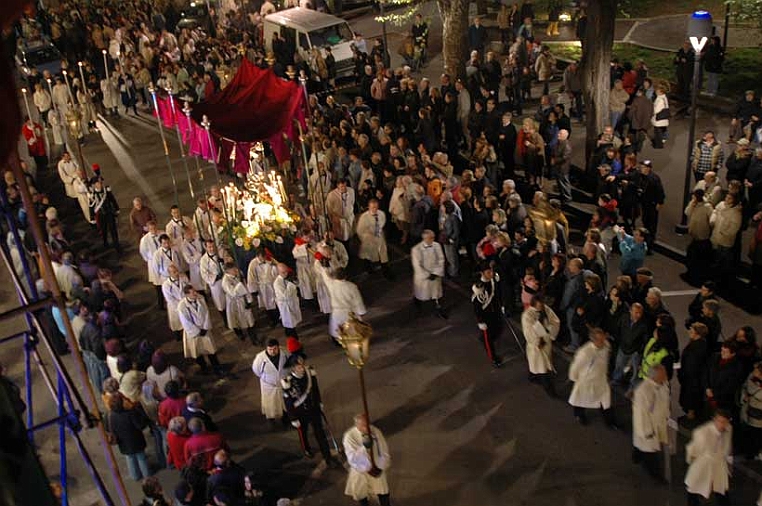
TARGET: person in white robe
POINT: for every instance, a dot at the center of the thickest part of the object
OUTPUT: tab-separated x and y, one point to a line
540	326
650	414
61	96
149	245
198	341
57	129
270	367
110	95
428	262
589	372
707	455
68	169
260	277
238	304
82	190
165	256
340	205
339	255
345	299
287	300
192	250
321	267
176	225
364	478
211	269
203	219
173	289
304	256
370	231
66	275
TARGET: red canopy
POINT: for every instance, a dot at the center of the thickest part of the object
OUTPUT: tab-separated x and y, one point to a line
253	107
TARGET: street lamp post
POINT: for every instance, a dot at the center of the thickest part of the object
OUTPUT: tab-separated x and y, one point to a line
354	336
699	31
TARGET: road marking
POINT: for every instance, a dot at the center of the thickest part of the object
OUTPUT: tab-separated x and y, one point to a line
678	293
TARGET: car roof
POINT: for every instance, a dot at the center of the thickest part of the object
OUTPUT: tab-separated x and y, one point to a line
306	19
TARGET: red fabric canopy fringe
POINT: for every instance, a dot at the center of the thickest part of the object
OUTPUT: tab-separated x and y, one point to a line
256	106
253	107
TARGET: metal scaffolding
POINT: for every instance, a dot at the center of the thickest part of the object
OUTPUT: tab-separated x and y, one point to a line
76	409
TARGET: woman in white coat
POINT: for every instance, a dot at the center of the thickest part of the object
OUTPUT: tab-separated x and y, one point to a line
589	372
270	367
707	456
365	480
287	300
428	262
238	304
260	278
345	298
540	326
172	288
658	120
650	413
198	341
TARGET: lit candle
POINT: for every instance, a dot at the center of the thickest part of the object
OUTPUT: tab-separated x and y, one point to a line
66	78
105	63
26	102
81	75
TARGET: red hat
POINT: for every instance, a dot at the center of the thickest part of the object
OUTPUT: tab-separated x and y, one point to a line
293	345
96	167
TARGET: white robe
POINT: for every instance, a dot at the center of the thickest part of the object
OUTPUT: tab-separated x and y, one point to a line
55	127
540	358
589	372
61	98
173	294
304	272
149	244
175	229
80	187
360	484
110	93
236	299
192	251
203	223
650	412
67	276
706	455
260	278
68	171
372	239
269	383
210	270
345	298
427	260
194	319
321	275
162	259
341	212
339	255
287	301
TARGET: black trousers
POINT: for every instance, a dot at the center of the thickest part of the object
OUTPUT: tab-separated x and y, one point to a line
212	360
608	415
383	500
650	219
41	162
696	499
650	461
107	226
315	419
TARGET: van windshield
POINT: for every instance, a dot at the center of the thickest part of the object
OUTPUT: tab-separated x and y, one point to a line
330	36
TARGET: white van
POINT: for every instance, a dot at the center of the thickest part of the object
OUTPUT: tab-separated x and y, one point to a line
304	29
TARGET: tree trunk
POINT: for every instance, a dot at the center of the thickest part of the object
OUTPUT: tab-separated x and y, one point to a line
454	29
597	44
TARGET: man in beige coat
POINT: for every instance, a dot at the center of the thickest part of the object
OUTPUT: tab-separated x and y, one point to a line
540	326
650	412
707	455
368	458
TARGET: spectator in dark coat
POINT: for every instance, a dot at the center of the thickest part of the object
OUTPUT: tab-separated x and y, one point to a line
706	292
477	36
226	476
724	379
709	317
692	372
127	427
194	408
592	310
747	351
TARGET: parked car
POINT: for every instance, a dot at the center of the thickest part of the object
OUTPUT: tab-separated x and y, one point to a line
195	15
42	56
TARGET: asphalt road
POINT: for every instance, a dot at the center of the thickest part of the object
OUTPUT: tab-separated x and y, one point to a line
460	432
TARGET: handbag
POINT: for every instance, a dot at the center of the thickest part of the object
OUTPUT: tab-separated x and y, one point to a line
663	114
110	436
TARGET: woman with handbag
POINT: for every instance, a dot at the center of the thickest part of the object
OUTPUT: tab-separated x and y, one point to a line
660	119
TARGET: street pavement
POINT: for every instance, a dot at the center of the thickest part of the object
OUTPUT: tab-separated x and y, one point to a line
460	432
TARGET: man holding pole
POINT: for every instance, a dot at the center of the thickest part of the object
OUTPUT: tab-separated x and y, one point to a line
368	458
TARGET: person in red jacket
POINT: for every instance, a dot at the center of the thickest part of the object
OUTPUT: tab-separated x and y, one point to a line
202	445
173	405
35	142
177	436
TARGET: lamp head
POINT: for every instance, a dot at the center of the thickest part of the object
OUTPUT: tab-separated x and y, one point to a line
699	29
354	336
